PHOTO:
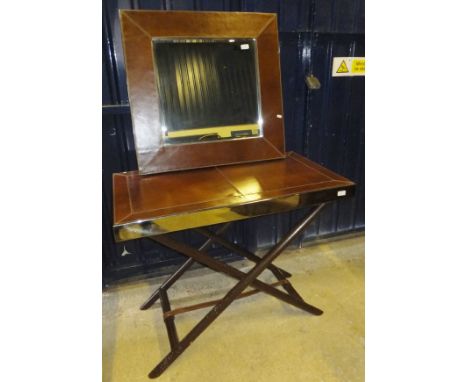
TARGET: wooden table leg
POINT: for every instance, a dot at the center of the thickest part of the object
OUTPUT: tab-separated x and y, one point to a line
217	238
279	273
233	293
179	272
169	320
219	266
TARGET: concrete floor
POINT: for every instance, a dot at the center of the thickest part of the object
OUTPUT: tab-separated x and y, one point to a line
257	338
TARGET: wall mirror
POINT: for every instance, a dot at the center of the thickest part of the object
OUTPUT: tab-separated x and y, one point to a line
208	89
204	88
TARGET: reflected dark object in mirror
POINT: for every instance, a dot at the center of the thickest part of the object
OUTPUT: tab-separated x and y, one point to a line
208	89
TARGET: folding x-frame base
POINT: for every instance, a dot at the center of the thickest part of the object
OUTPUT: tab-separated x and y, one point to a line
245	280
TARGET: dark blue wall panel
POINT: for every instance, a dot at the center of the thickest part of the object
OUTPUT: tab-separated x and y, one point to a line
326	125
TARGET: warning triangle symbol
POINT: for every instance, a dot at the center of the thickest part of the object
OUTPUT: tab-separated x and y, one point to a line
343	68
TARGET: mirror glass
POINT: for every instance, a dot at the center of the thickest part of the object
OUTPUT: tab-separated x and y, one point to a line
208	89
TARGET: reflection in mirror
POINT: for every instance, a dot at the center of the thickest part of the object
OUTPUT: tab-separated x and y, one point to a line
208	89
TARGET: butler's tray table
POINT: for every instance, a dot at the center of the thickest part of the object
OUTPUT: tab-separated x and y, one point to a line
153	206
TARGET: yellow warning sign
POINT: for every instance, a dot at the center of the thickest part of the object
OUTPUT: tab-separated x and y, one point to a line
359	66
348	66
342	68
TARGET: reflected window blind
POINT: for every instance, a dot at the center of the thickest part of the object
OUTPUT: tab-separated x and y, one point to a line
206	83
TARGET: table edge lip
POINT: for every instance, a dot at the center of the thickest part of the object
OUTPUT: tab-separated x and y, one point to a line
349	186
243	202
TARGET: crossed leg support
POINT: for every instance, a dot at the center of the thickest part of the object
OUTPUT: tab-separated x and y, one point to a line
245	280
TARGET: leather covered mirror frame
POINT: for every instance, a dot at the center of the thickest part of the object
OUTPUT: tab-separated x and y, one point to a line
140	28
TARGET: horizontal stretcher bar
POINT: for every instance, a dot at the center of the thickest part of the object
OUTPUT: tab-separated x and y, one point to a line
206	304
